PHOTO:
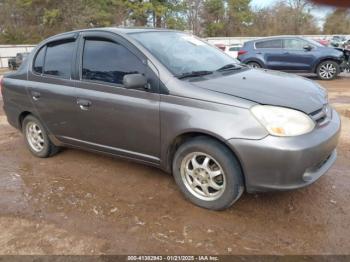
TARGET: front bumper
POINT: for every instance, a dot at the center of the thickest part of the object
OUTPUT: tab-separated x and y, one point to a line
286	163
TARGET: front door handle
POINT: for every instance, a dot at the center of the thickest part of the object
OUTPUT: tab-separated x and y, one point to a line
35	95
84	104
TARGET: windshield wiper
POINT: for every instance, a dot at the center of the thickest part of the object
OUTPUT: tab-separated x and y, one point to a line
229	67
194	74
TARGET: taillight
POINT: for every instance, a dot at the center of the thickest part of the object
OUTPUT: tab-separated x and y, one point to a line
242	52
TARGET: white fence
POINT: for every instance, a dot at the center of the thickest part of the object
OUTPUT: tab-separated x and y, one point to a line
7	51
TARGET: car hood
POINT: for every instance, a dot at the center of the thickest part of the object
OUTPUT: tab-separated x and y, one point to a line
270	88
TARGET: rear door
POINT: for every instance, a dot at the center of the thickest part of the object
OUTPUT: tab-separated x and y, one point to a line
115	119
51	88
296	57
272	53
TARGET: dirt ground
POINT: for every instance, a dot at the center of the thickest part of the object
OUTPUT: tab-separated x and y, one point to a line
82	203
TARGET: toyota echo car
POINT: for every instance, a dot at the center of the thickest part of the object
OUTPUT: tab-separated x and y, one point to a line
167	99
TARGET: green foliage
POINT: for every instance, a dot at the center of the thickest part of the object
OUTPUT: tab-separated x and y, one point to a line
51	17
338	22
29	21
213	14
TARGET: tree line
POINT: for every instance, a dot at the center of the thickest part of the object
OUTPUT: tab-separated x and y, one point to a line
30	21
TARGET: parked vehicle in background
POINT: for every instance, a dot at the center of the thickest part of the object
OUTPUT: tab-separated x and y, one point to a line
323	42
221	46
233	49
15	62
292	54
338	41
347	45
171	100
11	63
346	64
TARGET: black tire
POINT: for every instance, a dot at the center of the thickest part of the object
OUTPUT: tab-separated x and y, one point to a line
48	148
254	65
328	74
232	173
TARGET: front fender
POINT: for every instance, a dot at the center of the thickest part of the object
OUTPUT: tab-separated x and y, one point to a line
322	59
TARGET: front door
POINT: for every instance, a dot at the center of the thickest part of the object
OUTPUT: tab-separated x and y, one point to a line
296	57
112	118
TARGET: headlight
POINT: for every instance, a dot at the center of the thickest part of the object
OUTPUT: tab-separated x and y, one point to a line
280	121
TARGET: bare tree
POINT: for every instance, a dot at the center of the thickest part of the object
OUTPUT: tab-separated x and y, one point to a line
193	14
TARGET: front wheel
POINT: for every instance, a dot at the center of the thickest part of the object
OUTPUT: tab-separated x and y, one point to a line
254	65
208	173
328	70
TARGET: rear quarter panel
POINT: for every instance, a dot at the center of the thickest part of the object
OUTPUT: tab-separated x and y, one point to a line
15	97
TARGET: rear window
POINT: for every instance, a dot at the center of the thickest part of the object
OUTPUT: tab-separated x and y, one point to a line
58	59
269	44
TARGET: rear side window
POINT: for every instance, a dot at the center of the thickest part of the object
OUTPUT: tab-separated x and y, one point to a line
39	61
58	59
269	44
108	61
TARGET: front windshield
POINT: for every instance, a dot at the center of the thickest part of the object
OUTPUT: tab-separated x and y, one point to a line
183	53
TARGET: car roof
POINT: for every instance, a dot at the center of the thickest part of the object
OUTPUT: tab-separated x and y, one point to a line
120	30
274	38
117	30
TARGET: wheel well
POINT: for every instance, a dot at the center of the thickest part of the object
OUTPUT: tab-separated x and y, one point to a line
21	118
181	139
324	60
255	61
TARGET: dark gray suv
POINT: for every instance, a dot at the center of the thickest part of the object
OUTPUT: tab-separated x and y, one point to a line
168	99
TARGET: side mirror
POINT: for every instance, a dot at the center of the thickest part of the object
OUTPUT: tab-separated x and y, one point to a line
135	81
308	47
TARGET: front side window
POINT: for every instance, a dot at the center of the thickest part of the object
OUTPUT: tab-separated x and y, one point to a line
58	59
182	53
269	44
107	61
294	44
39	61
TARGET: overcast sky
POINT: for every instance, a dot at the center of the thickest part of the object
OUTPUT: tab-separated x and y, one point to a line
320	12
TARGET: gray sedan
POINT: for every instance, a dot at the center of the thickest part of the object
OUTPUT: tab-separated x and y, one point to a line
167	99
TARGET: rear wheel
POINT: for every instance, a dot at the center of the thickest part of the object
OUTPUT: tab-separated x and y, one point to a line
208	173
254	65
328	70
37	138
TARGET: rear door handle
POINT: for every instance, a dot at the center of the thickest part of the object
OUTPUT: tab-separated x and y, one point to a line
35	95
84	104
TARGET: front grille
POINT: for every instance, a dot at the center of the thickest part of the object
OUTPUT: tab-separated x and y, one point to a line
322	115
